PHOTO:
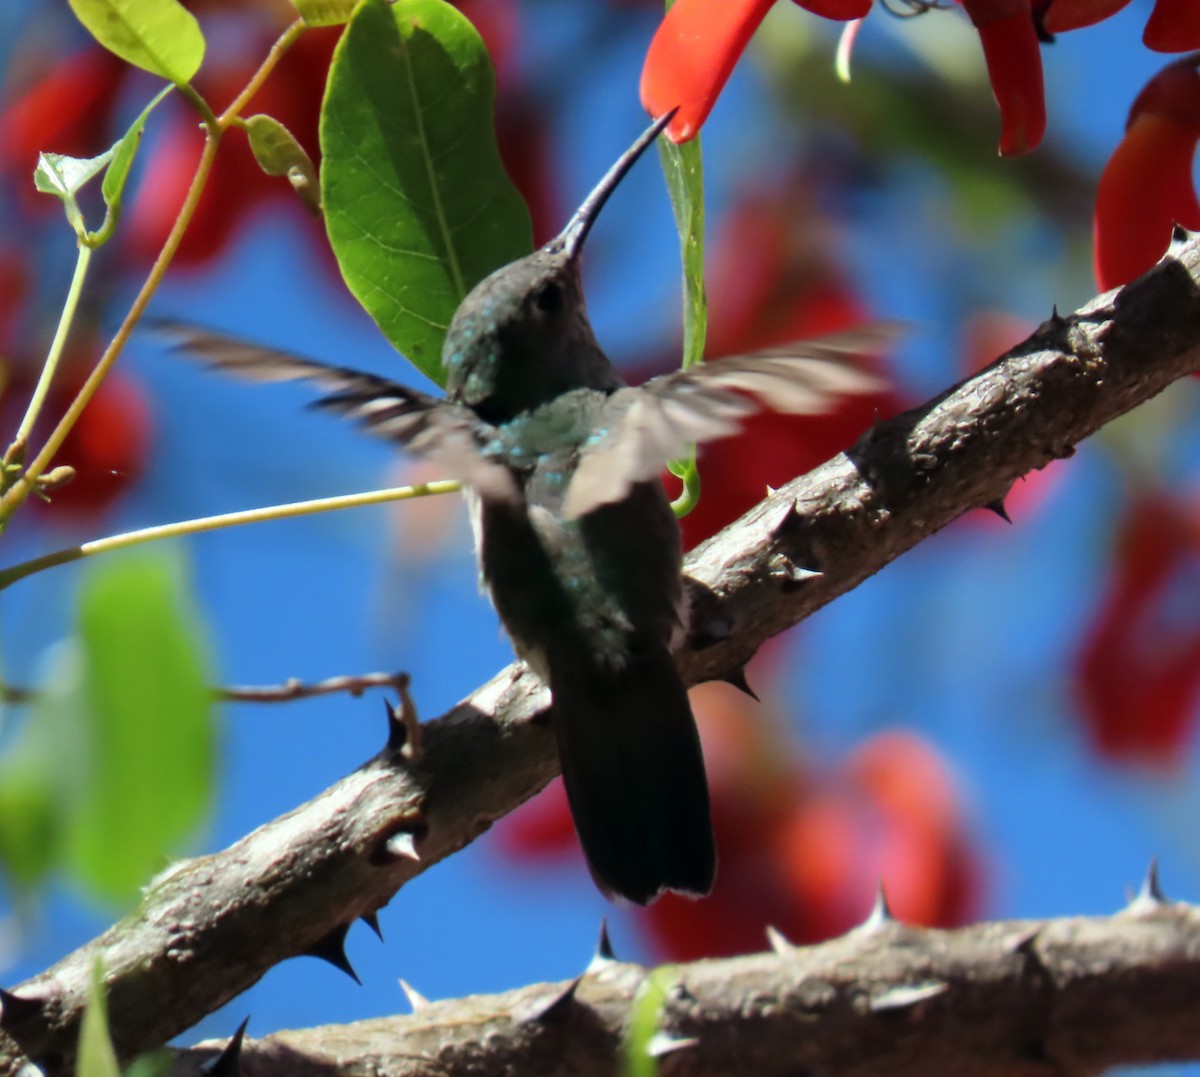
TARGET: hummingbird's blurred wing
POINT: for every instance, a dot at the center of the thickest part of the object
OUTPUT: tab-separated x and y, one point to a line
644	427
448	434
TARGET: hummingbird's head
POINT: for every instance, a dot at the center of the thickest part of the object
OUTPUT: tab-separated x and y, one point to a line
522	337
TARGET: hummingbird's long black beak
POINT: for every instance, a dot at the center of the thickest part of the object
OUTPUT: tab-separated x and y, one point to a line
570	239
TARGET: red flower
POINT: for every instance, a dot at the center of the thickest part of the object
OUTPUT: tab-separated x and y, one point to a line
1014	62
1137	678
1063	15
1146	187
1173	26
696	46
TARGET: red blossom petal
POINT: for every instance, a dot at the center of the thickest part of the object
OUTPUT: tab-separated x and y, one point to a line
1137	677
842	10
1173	26
1066	15
1147	187
691	57
1014	60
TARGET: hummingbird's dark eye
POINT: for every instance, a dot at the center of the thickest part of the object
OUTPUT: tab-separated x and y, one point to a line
549	298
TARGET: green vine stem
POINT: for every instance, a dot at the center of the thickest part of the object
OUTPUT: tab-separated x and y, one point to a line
70	306
292	510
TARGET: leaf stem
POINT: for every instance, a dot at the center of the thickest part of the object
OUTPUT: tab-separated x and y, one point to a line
284	42
294	509
65	319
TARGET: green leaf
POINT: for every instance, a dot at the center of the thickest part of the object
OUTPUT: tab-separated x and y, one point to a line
123	152
417	203
324	12
159	36
64	176
96	1055
41	770
30	820
151	737
278	153
683	167
151	1064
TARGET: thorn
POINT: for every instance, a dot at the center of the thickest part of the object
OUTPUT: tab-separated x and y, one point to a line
228	1062
788	519
331	947
880	915
738	679
548	1010
604	955
1179	234
788	573
404	844
415	999
998	508
397	731
1026	945
906	996
15	1010
662	1043
1150	897
771	490
371	919
783	946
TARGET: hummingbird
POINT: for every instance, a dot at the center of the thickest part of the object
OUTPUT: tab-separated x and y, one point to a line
577	543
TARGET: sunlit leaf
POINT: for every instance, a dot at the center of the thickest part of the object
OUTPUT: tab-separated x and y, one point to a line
324	12
417	204
278	153
123	152
64	176
147	691
683	166
159	36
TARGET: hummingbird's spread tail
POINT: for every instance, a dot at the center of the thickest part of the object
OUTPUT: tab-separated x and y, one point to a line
634	774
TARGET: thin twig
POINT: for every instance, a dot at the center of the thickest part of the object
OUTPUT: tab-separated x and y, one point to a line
293	689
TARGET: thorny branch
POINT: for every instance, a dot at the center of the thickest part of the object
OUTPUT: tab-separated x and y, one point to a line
213	926
1051	998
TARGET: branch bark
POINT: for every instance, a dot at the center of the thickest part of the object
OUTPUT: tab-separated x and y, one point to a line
1058	998
210	927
